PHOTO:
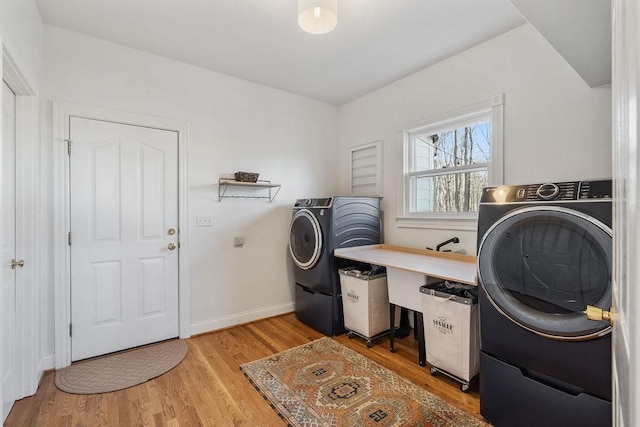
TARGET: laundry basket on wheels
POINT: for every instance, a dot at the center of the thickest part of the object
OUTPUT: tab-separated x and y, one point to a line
365	302
451	332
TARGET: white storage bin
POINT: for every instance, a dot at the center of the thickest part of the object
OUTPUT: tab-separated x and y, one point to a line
451	333
365	301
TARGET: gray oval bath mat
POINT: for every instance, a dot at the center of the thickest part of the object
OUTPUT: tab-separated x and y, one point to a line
121	370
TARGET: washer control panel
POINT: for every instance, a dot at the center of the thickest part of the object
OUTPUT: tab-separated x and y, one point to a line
313	203
558	191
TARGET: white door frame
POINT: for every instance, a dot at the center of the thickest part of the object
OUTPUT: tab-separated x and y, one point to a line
62	112
28	220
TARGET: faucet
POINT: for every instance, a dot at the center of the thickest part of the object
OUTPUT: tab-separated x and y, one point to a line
446	242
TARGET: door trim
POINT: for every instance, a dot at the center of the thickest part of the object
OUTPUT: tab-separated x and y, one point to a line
62	112
28	228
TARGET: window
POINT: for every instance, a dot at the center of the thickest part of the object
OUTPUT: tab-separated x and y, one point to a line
447	162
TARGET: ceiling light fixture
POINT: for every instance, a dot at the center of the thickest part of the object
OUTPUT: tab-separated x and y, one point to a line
317	16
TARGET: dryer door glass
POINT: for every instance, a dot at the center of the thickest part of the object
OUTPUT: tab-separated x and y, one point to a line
305	239
541	267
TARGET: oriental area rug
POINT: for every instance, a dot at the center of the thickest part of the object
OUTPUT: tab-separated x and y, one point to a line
324	383
121	370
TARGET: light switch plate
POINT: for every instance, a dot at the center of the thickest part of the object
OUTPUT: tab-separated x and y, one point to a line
204	221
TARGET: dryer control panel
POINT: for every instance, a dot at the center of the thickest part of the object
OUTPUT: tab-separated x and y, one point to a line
546	192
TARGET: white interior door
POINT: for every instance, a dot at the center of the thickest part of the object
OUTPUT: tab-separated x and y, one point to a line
124	236
8	297
626	221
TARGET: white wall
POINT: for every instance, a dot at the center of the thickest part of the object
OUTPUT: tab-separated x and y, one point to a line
234	125
556	127
21	34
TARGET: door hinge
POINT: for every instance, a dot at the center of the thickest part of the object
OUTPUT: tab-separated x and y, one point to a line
70	330
68	146
69	238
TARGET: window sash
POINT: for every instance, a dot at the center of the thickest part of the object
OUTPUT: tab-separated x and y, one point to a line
411	189
448	171
454	125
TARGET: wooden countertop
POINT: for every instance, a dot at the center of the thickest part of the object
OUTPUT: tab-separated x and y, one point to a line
444	265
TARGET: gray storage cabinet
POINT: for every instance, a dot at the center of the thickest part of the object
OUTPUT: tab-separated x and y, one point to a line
365	302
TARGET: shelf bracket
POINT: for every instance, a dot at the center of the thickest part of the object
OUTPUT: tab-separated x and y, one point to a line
225	183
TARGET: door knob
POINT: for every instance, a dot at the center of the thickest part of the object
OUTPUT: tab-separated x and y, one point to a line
171	246
171	231
597	314
15	264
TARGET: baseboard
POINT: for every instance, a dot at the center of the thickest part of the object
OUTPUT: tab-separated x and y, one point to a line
240	318
47	363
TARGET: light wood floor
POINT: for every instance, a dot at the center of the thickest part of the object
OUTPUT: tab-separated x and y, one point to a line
208	388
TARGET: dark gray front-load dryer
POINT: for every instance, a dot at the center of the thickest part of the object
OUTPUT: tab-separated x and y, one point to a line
544	254
318	227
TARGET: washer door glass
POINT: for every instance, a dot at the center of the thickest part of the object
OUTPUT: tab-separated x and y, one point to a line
541	266
305	239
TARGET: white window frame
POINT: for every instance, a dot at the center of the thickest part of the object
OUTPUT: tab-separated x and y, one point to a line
491	110
377	161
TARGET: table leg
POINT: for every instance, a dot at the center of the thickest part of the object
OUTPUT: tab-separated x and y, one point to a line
419	330
392	326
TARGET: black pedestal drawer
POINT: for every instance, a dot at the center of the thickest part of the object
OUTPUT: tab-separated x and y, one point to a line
320	311
511	396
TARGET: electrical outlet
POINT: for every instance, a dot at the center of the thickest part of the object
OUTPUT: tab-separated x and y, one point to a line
204	221
238	241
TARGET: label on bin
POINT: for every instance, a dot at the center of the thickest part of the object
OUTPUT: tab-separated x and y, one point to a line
442	325
353	296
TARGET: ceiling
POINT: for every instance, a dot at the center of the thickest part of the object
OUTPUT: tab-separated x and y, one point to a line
580	30
375	43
